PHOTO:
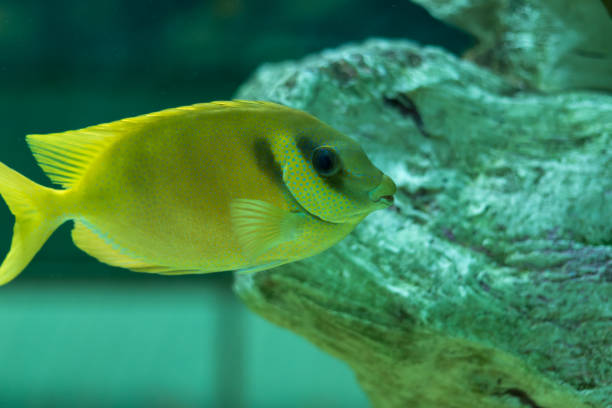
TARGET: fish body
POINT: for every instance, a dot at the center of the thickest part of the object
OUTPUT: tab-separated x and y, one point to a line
210	187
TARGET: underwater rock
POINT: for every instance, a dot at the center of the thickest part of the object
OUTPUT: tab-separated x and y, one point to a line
489	283
549	45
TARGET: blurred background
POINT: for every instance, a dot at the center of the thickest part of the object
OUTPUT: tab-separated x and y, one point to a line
74	332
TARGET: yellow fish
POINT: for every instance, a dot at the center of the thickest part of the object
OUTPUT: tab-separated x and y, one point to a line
210	187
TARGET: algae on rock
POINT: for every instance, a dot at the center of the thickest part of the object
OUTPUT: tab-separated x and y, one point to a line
489	283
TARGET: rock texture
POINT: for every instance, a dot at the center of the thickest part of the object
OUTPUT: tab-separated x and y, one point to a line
550	45
489	284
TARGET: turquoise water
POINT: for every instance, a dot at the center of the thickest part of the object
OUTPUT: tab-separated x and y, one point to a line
154	343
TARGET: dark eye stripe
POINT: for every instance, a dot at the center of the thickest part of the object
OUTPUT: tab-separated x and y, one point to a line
306	146
265	160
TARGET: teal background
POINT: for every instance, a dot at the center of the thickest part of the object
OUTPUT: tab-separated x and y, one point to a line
74	332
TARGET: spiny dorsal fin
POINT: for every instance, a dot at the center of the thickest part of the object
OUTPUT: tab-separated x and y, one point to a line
65	156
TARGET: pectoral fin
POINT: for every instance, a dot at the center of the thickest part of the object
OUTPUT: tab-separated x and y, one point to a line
260	226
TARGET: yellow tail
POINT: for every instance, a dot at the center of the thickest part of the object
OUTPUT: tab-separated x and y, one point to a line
37	215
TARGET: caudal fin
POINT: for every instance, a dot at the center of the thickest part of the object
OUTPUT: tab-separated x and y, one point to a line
36	217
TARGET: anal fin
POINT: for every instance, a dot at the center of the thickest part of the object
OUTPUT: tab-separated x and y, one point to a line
96	246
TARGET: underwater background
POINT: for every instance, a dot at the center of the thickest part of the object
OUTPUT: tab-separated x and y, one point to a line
74	332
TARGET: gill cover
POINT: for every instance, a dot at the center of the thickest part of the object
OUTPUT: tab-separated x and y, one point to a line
330	175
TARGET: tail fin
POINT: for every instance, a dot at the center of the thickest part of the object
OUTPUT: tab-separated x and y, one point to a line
37	215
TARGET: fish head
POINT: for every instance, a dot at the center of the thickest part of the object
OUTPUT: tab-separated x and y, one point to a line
332	178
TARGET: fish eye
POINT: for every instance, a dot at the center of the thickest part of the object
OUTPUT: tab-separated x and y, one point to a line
325	161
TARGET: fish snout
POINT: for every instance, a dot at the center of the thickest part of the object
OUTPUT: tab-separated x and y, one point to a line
384	192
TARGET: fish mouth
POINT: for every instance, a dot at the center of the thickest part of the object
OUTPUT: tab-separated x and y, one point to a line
387	199
383	194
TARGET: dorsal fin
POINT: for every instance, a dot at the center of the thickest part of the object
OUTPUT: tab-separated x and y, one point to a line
65	156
